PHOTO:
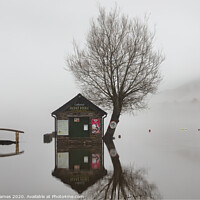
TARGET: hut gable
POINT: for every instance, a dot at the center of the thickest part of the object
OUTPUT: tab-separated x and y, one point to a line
79	118
79	104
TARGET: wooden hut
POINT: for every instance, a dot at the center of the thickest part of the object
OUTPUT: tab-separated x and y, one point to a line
79	121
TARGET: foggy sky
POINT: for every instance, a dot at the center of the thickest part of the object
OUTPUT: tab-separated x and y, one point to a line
36	37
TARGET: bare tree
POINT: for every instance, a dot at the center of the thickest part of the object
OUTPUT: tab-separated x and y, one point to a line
118	66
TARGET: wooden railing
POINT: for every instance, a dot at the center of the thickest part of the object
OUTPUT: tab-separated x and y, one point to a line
13	130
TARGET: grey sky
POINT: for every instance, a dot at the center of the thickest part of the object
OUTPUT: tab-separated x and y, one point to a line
36	36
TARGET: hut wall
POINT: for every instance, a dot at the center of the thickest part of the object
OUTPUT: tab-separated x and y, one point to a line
90	115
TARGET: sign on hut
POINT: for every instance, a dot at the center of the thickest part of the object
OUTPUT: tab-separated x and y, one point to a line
79	119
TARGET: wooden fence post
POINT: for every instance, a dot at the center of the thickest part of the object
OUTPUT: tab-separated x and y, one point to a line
17	137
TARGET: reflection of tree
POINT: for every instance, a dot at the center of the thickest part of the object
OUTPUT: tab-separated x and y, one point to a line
124	183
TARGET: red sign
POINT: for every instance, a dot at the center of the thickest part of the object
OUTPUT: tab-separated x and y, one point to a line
95	126
95	161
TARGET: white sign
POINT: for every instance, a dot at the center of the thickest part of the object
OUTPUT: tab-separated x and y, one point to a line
113	124
62	127
63	160
113	152
85	127
85	159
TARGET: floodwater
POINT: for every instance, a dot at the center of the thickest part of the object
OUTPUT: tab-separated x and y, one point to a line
43	171
165	141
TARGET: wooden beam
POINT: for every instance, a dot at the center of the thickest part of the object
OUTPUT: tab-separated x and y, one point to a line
11	154
13	130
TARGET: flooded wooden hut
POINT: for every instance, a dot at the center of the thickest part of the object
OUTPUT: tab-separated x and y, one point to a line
79	121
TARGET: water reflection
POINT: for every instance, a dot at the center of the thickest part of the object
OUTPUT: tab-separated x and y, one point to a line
9	142
123	183
82	168
79	166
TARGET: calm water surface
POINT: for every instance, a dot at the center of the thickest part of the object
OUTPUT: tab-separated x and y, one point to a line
170	156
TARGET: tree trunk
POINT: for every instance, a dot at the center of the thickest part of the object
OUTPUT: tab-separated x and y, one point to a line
115	159
117	174
110	130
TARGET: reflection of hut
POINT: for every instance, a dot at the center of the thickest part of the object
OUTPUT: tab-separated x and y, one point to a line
79	167
79	120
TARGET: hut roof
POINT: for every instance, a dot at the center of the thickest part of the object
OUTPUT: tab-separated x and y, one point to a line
79	100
